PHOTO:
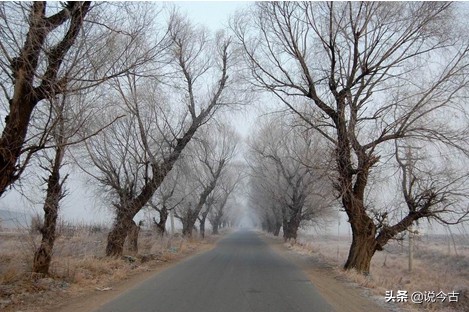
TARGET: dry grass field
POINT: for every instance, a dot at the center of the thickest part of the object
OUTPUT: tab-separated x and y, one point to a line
440	264
78	266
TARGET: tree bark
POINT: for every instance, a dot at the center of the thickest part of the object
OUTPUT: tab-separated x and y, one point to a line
364	230
125	215
202	228
290	229
215	222
292	217
362	250
118	233
161	225
133	237
43	255
203	218
278	226
188	223
215	228
54	193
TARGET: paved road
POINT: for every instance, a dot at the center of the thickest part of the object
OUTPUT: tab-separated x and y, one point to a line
242	274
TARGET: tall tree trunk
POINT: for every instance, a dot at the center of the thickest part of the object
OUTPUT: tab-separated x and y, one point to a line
43	255
192	215
186	230
352	185
24	99
364	243
202	228
269	224
203	218
13	137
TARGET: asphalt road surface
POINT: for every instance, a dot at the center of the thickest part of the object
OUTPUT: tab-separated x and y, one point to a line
241	274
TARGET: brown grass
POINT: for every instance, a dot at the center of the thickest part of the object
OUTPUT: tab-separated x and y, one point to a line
78	265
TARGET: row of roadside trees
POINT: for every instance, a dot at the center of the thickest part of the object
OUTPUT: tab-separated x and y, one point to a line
385	87
122	90
133	94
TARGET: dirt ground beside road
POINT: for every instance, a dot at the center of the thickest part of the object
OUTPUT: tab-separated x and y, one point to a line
81	276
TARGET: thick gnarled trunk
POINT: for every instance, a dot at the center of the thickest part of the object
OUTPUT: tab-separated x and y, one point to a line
215	227
192	215
364	243
291	220
133	238
13	137
290	229
188	223
203	218
118	233
360	254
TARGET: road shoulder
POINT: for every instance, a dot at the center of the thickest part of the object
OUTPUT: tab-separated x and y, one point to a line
340	294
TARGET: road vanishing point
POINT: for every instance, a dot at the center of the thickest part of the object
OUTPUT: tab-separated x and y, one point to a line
241	274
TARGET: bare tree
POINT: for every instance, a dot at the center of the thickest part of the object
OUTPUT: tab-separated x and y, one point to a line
55	192
69	115
263	192
363	75
52	66
48	49
298	178
228	185
211	154
265	205
163	115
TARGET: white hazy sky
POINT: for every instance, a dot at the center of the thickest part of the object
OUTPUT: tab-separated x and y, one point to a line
213	14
